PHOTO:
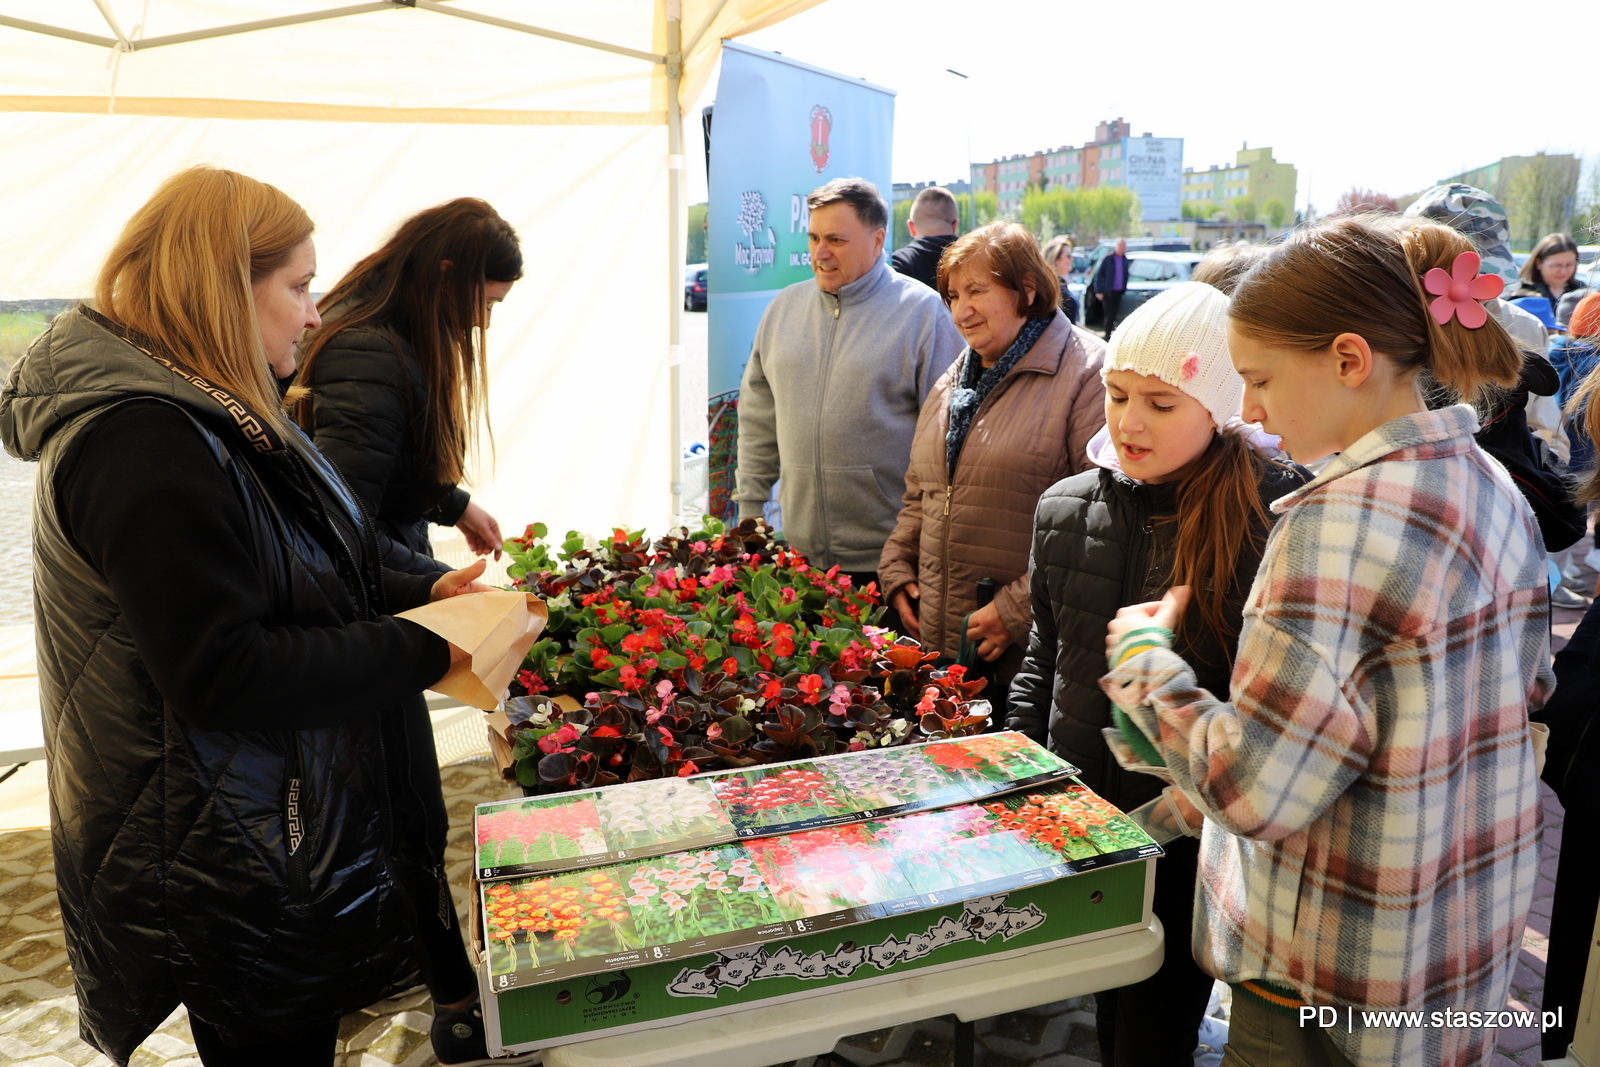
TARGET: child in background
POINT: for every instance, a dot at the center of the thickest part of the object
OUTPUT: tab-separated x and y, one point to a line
1179	496
1372	813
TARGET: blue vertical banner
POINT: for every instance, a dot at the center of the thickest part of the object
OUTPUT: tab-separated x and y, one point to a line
779	130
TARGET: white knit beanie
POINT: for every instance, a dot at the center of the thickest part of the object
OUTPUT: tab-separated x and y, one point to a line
1180	336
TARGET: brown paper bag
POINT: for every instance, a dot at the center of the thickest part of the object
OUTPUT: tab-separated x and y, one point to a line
495	628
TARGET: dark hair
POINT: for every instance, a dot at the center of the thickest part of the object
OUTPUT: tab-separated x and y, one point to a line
1550	245
1013	258
1225	264
426	285
1219	511
859	194
1362	274
936	203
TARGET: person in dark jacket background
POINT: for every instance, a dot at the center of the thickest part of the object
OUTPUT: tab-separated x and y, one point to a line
1550	270
393	385
1110	282
1058	253
218	664
933	224
1179	492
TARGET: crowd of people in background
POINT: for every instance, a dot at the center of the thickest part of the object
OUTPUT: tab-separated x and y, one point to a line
1281	578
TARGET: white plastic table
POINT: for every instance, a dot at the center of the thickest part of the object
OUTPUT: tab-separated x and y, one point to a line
813	1025
21	730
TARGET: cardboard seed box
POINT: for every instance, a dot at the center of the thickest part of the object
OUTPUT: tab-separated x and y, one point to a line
1083	907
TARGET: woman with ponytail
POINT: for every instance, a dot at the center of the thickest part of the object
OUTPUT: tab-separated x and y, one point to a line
1177	495
1372	813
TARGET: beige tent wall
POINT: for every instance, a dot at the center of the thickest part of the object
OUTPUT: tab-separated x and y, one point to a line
368	117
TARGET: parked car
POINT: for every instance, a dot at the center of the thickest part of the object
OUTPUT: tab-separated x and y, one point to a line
1148	274
694	287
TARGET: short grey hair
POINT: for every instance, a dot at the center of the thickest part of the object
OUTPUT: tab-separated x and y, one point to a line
859	194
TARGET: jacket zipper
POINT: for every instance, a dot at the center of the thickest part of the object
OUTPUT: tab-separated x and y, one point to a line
816	444
949	491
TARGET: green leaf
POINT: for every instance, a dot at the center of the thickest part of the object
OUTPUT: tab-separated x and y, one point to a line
528	772
672	661
540	530
615	632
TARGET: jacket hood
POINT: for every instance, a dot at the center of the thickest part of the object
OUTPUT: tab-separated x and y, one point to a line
78	364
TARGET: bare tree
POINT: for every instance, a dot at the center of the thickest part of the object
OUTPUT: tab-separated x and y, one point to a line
1356	200
1540	199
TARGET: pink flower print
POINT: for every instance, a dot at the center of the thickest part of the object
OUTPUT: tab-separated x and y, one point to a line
1459	292
1190	366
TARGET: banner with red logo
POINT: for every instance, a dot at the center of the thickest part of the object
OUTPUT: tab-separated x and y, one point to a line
780	129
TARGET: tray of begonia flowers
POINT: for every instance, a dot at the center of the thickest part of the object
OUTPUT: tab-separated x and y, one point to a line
891	858
707	649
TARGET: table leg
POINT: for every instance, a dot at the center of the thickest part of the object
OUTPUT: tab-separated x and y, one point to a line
966	1044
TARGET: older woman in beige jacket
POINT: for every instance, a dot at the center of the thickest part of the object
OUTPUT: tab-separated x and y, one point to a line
1023	399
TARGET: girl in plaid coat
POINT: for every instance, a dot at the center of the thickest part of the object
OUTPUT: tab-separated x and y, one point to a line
1370	795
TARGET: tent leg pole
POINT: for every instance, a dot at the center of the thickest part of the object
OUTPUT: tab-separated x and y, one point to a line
677	216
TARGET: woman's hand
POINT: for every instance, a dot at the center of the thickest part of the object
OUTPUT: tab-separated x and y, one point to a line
1164	613
985	630
905	601
454	583
481	530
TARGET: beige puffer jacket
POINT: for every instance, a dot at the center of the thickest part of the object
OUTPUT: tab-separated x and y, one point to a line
1030	432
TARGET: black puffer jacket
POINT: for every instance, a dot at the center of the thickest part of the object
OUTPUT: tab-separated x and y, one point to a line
367	405
216	674
1099	545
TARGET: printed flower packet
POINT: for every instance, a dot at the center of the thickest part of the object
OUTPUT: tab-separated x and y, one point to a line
750	892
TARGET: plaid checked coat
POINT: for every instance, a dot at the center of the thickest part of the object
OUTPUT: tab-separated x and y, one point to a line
1372	809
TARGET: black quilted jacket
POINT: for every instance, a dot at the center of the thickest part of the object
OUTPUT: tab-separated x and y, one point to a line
215	713
1099	545
367	404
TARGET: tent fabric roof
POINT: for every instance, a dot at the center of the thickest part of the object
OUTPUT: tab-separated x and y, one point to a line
371	115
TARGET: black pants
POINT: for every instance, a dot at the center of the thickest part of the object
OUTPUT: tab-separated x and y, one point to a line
1109	307
421	827
314	1050
1156	1022
1572	715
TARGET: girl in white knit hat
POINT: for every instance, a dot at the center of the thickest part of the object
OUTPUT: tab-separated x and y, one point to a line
1178	496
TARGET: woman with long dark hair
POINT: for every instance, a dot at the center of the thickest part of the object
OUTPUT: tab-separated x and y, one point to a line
392	387
1551	271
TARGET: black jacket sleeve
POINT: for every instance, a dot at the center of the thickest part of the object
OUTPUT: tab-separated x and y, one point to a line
359	411
146	501
1033	688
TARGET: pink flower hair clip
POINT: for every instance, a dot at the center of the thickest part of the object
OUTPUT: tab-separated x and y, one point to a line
1459	292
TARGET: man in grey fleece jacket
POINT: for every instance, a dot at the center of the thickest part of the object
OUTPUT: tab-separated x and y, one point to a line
837	376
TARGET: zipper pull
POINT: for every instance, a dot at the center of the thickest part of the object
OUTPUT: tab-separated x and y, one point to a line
947	491
836	308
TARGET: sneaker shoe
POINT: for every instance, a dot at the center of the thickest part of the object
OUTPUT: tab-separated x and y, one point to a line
1562	597
459	1041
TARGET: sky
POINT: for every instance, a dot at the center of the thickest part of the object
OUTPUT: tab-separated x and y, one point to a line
1393	104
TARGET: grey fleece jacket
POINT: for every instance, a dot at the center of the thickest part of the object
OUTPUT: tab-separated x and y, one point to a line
830	399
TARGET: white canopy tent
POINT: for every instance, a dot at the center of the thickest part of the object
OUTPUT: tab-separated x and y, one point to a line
566	116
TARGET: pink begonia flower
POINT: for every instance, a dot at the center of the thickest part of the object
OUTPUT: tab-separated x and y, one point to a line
1460	291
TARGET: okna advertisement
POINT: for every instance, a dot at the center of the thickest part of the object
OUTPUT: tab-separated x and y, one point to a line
780	129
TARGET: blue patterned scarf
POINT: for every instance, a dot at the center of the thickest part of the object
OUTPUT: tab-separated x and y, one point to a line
976	383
